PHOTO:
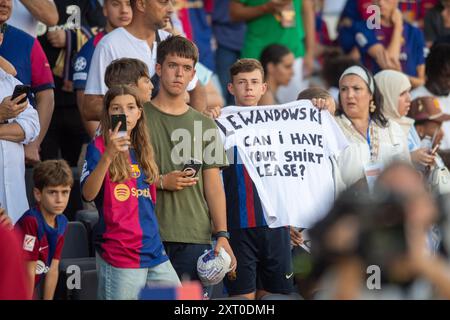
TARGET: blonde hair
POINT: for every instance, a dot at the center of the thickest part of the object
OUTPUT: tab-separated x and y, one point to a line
120	168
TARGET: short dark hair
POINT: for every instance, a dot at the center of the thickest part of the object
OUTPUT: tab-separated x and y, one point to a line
273	53
125	71
437	64
437	59
52	173
314	92
179	46
245	65
334	65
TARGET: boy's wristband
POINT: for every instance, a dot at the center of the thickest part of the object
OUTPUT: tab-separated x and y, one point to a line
224	234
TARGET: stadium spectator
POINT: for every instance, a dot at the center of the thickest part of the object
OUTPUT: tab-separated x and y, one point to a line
263	253
118	13
278	64
13	281
353	13
437	22
287	22
395	44
119	174
43	227
214	100
19	126
418	265
61	45
130	72
350	240
438	85
188	208
26	55
415	11
138	40
374	140
427	120
395	88
230	40
27	14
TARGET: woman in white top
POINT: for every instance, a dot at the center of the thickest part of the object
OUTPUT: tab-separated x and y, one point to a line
395	88
19	125
374	140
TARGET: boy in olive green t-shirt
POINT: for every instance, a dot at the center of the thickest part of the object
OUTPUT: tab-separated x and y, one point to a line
189	209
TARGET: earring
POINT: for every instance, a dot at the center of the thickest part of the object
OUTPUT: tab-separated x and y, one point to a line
372	107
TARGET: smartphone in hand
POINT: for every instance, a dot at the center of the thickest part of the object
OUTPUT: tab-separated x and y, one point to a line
192	167
19	90
122	118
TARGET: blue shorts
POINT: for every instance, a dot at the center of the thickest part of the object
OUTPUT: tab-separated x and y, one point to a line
264	261
184	256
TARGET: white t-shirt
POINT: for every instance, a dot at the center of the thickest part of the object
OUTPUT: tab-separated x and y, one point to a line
121	44
392	146
286	150
444	102
22	19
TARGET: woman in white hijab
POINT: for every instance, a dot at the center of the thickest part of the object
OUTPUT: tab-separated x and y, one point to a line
395	88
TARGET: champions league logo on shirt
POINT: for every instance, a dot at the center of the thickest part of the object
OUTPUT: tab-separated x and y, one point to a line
80	64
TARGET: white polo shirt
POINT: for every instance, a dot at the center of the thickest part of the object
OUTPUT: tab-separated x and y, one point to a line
121	44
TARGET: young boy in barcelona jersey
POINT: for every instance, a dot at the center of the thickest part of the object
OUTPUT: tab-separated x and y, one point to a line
42	228
263	253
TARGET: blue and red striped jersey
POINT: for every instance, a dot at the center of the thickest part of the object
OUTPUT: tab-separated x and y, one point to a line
25	53
127	234
244	209
82	63
41	242
412	52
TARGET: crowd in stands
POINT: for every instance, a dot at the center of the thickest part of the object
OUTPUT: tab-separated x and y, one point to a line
258	148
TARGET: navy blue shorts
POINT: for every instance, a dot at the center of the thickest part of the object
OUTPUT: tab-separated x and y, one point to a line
184	256
264	261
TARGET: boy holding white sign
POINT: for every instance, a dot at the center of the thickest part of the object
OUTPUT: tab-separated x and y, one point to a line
263	253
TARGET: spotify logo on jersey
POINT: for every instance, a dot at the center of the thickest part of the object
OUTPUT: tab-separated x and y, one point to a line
121	192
